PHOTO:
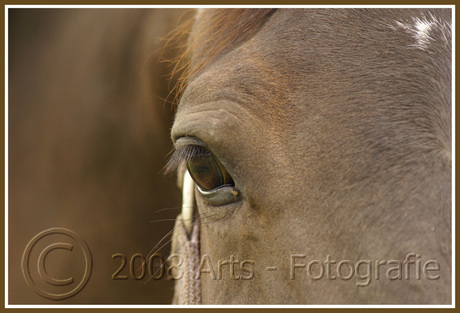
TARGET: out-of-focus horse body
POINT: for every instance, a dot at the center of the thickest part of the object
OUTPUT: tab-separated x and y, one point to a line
88	134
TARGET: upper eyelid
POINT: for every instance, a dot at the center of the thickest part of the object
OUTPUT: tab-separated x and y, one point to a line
188	141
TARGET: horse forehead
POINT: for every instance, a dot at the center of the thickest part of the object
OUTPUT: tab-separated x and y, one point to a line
287	46
286	22
304	36
295	51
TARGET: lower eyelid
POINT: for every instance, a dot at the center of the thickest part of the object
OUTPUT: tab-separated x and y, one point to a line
211	192
223	195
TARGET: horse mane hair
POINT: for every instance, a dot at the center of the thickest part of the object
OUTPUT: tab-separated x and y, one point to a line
217	31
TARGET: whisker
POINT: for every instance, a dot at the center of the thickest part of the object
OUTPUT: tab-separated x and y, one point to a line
215	246
201	218
147	259
163	220
165	209
150	255
215	220
159	242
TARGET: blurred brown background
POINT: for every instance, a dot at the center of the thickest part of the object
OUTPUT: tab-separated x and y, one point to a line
88	137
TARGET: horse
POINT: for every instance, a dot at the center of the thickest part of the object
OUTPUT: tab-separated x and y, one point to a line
318	143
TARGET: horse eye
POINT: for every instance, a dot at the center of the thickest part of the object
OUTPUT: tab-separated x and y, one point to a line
207	172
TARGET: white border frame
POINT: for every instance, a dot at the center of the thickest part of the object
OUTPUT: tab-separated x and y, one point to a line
7	7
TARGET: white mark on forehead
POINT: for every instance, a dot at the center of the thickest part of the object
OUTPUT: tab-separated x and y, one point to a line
423	28
422	31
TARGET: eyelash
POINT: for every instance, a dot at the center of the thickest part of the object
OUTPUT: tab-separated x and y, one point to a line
183	155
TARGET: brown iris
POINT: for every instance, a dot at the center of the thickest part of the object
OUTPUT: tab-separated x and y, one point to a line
206	170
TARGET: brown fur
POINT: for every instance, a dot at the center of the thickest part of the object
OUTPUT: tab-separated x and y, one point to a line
336	128
216	35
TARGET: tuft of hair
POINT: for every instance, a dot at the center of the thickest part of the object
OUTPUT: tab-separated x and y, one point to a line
206	35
